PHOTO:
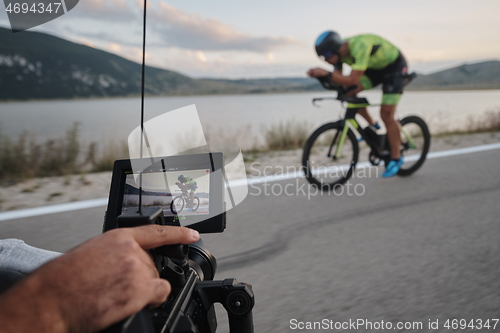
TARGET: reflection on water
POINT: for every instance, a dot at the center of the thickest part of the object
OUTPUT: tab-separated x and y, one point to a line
240	118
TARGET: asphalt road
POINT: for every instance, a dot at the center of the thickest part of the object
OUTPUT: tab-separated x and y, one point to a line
414	249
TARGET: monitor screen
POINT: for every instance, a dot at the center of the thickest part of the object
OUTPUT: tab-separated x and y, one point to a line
188	188
181	193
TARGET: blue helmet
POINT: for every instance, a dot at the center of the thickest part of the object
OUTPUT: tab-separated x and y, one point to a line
328	44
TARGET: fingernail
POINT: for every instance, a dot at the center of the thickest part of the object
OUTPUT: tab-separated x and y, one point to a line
195	234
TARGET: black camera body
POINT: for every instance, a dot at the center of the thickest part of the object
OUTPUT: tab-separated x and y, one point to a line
190	269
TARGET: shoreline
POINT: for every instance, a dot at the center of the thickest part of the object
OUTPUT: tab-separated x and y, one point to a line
288	91
39	192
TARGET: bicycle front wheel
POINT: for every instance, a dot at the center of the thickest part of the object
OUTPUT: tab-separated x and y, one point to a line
325	164
196	203
177	205
415	144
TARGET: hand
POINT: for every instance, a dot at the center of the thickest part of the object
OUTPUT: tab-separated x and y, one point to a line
317	72
98	283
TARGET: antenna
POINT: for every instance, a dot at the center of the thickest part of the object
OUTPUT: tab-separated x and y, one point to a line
142	102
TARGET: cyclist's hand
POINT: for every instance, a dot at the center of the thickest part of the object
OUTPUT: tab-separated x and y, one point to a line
94	285
317	72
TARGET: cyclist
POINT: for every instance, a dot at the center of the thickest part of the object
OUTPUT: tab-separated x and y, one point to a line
188	183
373	60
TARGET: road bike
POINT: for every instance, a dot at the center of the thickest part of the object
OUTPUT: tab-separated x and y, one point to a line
331	152
182	200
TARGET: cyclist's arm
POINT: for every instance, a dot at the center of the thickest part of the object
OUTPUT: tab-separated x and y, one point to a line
348	80
360	51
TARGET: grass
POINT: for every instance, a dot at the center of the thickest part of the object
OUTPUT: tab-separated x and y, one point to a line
25	157
286	136
487	122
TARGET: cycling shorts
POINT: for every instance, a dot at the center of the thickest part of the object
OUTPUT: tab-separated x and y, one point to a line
391	79
192	187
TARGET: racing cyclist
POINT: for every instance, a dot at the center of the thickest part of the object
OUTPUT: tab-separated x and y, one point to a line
188	183
373	60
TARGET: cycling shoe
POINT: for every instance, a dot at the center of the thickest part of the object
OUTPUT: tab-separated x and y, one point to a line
392	168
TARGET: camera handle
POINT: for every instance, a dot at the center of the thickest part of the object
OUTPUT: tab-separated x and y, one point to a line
236	297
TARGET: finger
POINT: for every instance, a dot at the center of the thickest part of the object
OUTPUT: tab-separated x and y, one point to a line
147	260
151	236
152	292
159	291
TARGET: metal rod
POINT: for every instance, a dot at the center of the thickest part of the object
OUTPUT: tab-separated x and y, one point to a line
142	101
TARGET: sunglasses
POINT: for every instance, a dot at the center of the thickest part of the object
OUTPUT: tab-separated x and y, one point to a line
328	54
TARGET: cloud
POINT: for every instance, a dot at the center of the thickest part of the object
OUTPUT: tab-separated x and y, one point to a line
133	38
110	10
191	31
228	65
168	27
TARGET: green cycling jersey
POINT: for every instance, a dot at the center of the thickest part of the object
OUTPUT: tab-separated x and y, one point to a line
370	52
189	181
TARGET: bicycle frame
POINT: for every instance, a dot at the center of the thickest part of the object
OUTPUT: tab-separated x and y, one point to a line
349	122
347	131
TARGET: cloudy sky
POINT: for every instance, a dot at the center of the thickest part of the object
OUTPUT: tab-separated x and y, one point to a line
274	38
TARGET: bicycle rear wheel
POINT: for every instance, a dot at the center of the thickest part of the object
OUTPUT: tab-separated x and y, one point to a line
320	167
177	205
415	144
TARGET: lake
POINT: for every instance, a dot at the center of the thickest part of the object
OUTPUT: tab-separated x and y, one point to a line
240	118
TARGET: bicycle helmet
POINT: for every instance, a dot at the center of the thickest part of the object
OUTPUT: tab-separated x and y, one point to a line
328	44
181	178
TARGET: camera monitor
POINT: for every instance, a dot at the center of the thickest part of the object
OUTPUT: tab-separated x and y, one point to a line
188	188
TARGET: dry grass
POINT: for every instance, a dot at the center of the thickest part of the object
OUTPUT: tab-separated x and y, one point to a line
489	121
286	136
24	157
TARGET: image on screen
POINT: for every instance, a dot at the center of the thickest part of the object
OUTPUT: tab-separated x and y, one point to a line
179	192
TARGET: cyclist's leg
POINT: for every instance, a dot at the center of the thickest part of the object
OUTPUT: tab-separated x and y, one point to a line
367	81
364	113
392	88
387	112
191	198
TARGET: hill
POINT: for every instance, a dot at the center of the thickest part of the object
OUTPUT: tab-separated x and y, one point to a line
37	65
483	75
34	65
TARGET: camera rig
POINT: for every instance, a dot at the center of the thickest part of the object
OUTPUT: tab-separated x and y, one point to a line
190	269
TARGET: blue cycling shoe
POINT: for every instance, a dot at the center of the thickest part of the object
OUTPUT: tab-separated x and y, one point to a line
392	168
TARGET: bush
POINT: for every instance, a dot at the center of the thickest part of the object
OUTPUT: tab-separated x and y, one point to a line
285	136
24	157
488	122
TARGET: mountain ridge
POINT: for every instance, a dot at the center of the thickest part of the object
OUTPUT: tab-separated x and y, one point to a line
35	65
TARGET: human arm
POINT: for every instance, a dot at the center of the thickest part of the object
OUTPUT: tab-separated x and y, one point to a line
18	256
94	285
337	76
348	80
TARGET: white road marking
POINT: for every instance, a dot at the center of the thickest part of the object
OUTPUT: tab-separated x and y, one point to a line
66	207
